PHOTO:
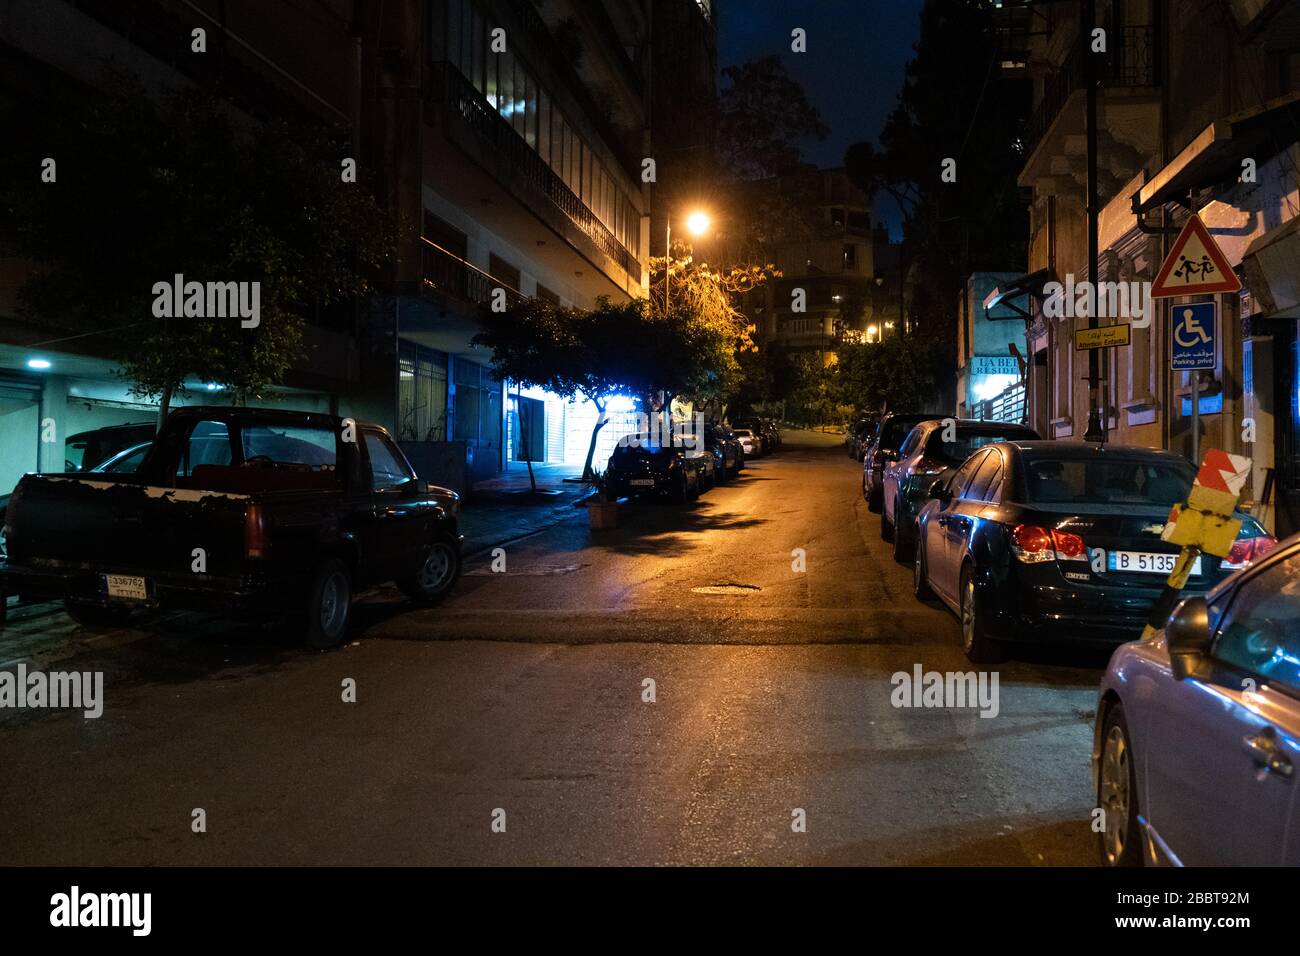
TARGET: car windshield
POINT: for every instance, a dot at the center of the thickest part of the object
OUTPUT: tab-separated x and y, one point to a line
896	430
967	441
1109	481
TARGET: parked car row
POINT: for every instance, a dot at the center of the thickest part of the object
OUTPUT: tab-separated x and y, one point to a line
642	464
1197	731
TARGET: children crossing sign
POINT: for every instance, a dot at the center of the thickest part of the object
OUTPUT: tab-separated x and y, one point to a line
1195	265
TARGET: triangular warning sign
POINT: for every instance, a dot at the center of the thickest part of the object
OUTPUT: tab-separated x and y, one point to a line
1195	265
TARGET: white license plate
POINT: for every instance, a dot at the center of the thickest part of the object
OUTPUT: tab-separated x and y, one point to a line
126	586
649	482
1144	562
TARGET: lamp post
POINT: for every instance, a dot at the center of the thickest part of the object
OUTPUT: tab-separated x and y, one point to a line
697	224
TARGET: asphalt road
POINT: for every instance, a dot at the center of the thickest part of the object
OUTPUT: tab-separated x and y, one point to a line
521	701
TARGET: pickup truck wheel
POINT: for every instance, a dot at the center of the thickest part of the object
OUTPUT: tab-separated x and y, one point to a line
329	604
96	615
436	577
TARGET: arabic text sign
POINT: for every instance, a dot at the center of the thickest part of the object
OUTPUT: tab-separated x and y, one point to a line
1101	337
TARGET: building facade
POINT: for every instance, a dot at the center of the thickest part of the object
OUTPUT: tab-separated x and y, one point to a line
1195	114
505	136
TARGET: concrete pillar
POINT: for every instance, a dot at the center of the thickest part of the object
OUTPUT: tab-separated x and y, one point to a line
53	422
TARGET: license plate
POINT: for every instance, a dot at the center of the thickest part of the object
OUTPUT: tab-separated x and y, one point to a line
126	586
1144	562
649	482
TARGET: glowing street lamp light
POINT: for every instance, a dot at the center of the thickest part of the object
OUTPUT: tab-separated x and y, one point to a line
697	224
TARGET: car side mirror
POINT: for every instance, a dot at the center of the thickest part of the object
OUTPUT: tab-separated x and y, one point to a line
939	490
1188	638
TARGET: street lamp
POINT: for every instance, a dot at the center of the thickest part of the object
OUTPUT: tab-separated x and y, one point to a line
697	224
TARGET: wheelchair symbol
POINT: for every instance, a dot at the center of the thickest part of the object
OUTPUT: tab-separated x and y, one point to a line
1189	332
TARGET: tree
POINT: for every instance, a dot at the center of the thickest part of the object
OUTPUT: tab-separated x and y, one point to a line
147	189
763	114
954	105
896	374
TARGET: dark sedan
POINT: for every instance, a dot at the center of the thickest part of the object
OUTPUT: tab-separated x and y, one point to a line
931	449
1037	541
728	456
641	465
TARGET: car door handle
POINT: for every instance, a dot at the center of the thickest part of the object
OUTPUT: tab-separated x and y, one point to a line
1267	752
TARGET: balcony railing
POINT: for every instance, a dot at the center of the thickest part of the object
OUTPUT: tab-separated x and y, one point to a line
449	273
1129	63
459	94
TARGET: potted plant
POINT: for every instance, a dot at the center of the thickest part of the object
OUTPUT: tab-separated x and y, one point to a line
602	509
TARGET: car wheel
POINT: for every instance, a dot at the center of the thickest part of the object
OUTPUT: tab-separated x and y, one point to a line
886	527
980	648
902	540
920	582
437	576
329	604
1117	795
96	616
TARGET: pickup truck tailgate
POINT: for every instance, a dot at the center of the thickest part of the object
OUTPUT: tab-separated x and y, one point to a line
126	526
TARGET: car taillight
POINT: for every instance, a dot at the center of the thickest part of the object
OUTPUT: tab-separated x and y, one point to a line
255	532
1245	551
1033	544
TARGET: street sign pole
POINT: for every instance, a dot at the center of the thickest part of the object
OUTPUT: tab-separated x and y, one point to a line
1196	415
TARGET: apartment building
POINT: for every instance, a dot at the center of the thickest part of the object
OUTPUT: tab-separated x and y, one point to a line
829	290
505	136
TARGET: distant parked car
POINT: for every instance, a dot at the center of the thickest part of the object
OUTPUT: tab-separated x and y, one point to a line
931	449
751	443
858	436
1197	734
882	448
84	450
1040	541
643	465
764	428
728	456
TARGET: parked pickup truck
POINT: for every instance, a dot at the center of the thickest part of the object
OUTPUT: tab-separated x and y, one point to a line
244	511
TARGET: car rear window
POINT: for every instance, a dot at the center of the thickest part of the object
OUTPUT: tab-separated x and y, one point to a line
1114	481
895	431
968	440
312	446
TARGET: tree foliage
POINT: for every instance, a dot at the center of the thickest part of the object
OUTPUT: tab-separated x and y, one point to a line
763	114
148	188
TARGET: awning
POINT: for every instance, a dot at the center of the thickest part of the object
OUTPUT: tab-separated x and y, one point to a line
1214	157
1029	284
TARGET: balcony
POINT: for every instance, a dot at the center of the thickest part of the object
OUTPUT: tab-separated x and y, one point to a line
1128	101
1130	64
449	274
489	139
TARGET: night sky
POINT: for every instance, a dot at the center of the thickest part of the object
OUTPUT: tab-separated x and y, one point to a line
852	71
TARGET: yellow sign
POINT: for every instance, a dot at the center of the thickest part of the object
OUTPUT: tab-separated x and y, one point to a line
1102	337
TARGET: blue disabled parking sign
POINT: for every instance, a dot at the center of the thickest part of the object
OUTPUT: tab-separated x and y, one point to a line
1193	329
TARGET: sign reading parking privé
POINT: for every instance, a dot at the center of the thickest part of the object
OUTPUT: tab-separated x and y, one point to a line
1192	333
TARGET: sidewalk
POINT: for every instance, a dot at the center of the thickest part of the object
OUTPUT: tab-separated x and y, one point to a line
503	509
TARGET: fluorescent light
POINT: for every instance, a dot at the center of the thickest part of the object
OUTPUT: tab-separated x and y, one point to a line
38	363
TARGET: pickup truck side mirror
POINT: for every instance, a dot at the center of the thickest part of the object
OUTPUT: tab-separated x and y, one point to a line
1188	638
939	491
